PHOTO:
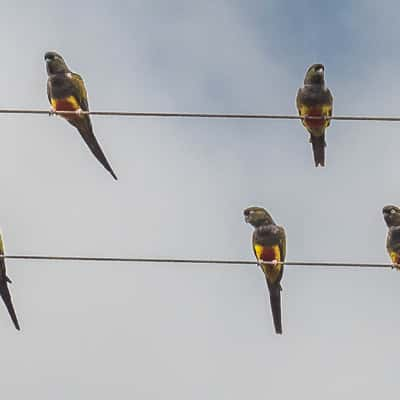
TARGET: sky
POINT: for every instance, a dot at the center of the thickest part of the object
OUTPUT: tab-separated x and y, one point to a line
151	331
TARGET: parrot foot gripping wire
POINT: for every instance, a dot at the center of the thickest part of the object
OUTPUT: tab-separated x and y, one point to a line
53	112
273	262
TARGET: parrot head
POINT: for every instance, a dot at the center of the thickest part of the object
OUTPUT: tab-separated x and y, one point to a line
55	64
391	214
257	216
315	75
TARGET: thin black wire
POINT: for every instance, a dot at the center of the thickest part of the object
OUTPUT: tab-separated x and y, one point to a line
193	261
200	115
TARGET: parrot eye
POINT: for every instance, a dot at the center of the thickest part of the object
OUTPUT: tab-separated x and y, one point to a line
392	211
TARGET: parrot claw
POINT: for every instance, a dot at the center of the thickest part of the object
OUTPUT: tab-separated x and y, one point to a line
273	262
79	111
52	112
396	266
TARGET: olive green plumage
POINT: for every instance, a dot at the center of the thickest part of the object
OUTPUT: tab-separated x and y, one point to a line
269	244
4	292
66	92
315	99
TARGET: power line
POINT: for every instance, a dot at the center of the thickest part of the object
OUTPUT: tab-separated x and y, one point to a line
202	115
193	261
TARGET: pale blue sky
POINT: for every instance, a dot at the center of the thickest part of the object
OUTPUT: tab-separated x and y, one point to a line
92	330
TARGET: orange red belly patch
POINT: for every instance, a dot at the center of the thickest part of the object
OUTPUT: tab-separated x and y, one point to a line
264	253
68	104
319	111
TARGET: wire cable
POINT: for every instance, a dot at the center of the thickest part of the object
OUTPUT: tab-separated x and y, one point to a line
201	115
194	261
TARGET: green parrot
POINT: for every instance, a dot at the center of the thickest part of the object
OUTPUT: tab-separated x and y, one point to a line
4	292
269	244
314	99
391	214
66	92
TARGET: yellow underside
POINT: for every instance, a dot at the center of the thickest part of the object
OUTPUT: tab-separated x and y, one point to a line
394	257
272	272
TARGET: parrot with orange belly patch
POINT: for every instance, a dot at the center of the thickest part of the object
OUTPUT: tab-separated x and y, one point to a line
269	244
66	92
391	214
314	99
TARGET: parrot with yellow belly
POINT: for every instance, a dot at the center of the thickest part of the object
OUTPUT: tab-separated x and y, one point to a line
269	244
391	215
314	99
66	92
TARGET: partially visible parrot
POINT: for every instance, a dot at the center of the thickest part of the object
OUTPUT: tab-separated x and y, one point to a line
269	244
391	214
4	292
66	92
314	99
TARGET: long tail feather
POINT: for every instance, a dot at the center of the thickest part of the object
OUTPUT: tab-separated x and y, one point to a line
5	295
275	300
85	128
318	145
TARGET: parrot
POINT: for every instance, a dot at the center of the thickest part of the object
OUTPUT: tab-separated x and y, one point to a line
269	244
314	99
66	92
391	215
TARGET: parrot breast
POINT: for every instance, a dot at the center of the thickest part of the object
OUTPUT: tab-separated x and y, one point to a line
67	104
267	253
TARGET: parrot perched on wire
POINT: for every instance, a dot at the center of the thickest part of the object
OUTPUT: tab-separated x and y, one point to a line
66	92
269	244
391	214
314	99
